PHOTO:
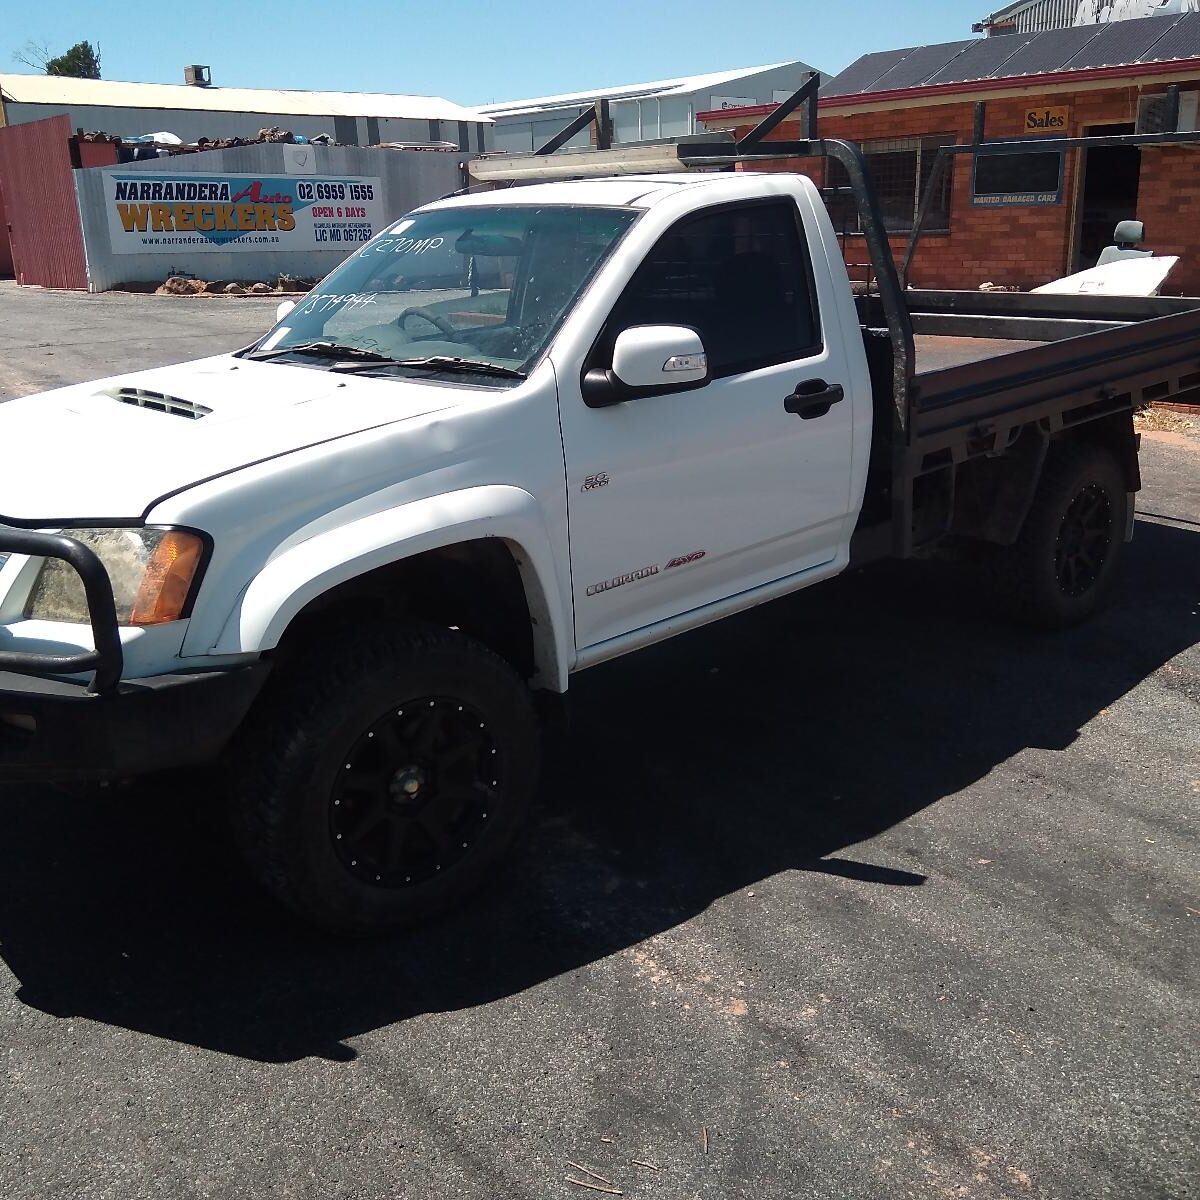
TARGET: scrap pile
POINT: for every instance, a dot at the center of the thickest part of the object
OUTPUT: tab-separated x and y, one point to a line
188	285
271	134
163	143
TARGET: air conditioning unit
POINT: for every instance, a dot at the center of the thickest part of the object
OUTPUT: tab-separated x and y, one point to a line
197	76
1153	112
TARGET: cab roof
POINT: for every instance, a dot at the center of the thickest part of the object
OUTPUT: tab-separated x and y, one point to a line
631	191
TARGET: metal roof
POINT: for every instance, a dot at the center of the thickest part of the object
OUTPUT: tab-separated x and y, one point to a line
631	91
1028	15
108	93
1008	10
1018	55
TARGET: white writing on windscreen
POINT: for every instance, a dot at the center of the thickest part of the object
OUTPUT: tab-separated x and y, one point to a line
347	302
402	246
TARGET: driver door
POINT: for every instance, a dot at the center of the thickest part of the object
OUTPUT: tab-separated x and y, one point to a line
680	500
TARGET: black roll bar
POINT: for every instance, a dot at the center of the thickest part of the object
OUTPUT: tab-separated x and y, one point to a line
805	94
596	114
107	659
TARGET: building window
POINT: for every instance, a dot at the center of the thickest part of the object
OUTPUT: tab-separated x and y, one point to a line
1004	179
901	168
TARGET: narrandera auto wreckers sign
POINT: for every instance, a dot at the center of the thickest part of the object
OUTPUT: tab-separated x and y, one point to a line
156	214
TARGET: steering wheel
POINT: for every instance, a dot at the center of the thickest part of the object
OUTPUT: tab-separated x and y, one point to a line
435	319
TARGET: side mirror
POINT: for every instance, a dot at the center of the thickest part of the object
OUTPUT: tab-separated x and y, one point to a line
653	356
648	360
285	307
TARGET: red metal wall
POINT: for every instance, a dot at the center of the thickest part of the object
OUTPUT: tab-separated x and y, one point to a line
39	195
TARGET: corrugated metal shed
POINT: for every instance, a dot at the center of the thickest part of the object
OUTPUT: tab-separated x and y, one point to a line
1030	16
1127	43
107	93
631	91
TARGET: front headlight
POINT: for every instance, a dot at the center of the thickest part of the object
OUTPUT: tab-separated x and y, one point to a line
152	573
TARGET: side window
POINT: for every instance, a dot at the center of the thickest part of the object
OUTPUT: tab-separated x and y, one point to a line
740	277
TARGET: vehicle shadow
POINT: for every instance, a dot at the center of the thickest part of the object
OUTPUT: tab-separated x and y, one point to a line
771	742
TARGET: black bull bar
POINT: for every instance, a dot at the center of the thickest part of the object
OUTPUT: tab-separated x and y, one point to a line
107	659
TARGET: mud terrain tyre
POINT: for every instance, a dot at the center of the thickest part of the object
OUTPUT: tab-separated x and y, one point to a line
1062	565
378	785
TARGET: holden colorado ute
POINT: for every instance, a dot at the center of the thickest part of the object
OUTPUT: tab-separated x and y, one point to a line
517	434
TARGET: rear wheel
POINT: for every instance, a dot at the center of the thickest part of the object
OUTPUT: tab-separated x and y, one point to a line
384	789
1061	567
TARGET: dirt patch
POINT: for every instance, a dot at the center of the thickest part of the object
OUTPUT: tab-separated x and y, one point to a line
1165	420
1181	441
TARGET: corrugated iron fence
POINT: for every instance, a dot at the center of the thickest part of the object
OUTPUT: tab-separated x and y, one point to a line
38	187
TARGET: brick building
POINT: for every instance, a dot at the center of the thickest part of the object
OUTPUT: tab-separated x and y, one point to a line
1019	219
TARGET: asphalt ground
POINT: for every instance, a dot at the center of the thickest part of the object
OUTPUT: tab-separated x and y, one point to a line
866	893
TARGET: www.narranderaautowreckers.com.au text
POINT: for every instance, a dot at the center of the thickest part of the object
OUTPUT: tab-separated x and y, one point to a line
158	213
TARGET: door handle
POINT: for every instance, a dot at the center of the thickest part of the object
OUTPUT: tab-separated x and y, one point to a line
813	398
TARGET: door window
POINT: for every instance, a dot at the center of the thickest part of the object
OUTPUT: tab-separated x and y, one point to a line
738	275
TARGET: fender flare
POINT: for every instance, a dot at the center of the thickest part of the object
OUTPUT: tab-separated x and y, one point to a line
303	572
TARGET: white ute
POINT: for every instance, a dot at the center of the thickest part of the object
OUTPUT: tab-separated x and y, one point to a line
517	434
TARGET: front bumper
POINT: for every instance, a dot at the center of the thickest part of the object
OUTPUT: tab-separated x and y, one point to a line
56	731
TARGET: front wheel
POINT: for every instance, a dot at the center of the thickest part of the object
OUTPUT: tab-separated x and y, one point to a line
1062	565
381	788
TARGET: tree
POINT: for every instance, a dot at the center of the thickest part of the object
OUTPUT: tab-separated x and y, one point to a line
82	61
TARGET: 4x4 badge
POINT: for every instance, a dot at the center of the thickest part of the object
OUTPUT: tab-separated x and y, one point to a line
684	559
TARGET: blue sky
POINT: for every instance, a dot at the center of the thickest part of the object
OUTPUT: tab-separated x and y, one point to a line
473	51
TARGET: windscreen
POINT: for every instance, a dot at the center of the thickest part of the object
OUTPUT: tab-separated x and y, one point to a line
490	285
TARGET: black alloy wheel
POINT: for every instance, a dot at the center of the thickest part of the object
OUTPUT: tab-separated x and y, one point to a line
1062	565
415	792
1084	541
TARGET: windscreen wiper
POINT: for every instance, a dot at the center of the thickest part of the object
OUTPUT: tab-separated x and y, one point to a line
324	350
448	361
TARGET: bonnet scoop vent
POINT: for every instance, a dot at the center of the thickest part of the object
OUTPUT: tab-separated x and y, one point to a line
160	402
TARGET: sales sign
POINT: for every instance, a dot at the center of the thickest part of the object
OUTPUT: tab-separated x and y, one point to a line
1047	120
158	213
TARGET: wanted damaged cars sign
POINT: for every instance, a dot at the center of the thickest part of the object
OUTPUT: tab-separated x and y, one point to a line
158	213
